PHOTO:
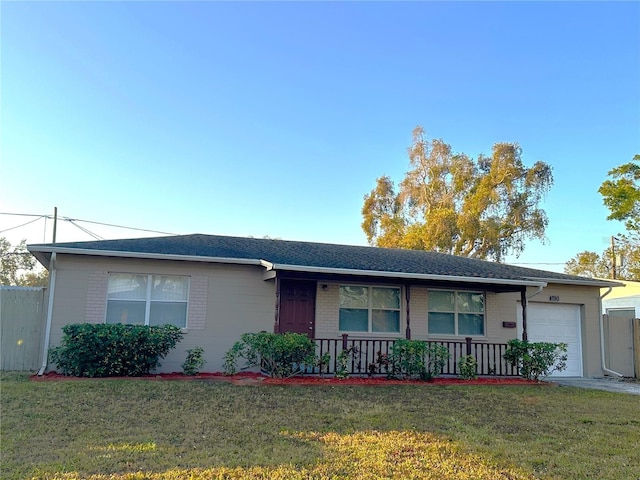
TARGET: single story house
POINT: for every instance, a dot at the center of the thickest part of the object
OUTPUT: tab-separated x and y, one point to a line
217	288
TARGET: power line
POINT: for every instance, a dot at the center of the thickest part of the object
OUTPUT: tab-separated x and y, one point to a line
73	220
21	225
85	230
23	214
118	226
537	263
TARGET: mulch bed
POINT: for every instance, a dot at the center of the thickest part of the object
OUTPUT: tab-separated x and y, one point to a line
252	378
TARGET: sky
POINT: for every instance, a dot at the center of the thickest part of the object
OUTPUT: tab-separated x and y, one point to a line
275	118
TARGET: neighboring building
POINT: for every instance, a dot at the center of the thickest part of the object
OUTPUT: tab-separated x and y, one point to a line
217	288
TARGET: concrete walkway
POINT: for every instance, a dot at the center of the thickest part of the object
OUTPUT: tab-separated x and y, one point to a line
607	383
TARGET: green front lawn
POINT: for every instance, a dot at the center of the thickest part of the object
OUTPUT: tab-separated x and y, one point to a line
195	429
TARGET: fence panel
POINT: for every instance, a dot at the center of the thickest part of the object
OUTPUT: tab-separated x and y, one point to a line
22	311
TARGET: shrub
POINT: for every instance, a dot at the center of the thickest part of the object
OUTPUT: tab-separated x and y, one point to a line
280	355
416	359
535	360
342	362
106	350
380	365
194	361
468	367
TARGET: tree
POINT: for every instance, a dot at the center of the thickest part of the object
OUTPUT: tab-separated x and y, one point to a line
592	265
18	266
449	203
588	264
38	278
621	194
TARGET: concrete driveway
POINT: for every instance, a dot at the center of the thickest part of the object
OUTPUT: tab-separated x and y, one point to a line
607	383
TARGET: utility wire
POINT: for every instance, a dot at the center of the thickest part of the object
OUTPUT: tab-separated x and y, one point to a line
22	214
118	226
67	219
536	263
88	232
22	225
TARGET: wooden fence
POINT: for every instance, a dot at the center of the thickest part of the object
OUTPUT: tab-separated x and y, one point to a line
22	312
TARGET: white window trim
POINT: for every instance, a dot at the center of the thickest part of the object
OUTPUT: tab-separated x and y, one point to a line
147	300
457	335
370	309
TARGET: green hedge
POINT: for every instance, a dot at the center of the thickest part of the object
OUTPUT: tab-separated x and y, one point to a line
416	359
536	359
108	350
280	355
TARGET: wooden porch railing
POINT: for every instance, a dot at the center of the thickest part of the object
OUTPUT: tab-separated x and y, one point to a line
366	351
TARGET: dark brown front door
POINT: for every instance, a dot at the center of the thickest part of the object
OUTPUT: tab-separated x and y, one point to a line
298	306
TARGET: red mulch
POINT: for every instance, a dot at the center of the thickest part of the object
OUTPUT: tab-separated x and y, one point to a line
252	378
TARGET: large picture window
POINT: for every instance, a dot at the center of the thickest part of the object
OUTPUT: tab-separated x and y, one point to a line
369	309
147	299
454	312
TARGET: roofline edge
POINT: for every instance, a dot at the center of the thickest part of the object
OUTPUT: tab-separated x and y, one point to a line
142	255
420	276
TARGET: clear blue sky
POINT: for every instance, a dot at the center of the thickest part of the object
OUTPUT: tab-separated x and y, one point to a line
241	118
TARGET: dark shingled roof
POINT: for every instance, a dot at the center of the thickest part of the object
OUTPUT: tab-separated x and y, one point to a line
318	255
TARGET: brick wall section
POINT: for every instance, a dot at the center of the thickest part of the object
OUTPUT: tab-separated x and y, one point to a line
500	308
418	311
327	310
96	305
198	293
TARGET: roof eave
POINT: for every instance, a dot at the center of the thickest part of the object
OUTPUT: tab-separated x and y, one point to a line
39	251
404	275
586	282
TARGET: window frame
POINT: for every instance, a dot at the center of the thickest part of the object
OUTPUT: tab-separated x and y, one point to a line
148	301
456	312
370	309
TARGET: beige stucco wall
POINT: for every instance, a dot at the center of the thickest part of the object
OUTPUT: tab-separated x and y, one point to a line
225	301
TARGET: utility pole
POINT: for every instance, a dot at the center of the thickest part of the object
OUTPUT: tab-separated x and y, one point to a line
613	257
55	223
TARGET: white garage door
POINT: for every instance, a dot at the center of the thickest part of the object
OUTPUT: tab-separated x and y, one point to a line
556	323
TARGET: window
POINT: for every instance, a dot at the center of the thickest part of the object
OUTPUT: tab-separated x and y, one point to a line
369	309
456	312
147	299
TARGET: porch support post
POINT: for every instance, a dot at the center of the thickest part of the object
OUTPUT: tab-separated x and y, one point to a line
523	300
276	322
407	294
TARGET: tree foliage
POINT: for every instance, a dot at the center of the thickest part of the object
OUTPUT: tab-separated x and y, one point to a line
588	264
592	265
449	203
18	266
621	194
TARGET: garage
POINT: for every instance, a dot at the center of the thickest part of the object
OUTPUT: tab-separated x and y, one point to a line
558	324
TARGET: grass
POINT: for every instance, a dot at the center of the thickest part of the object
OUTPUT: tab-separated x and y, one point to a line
134	429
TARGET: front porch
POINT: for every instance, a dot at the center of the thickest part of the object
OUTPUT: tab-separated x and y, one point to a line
365	356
